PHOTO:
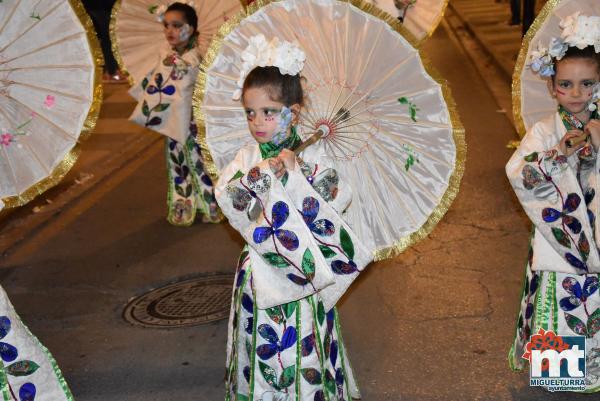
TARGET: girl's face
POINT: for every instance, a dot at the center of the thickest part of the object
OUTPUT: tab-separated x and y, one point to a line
265	118
574	82
176	29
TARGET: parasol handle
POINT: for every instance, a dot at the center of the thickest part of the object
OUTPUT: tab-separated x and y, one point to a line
321	132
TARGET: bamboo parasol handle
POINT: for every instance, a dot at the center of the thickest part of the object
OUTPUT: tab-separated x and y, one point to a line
310	141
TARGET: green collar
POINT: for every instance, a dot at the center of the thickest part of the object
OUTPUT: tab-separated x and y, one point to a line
269	149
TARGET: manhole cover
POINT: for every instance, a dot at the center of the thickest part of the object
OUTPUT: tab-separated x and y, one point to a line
186	303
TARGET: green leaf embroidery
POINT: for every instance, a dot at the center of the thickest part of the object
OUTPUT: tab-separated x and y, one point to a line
532	157
327	345
268	373
145	109
412	108
576	324
311	375
181	158
409	162
320	313
561	237
22	368
327	251
287	376
241	397
289	308
308	264
347	244
274	259
144	84
275	314
329	382
174	159
237	175
179	191
584	247
593	323
161	107
188	191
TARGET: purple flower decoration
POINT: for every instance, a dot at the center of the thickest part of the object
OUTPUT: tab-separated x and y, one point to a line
280	214
578	295
274	345
310	210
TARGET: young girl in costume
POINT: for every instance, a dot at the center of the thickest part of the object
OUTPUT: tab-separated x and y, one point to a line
284	339
555	174
165	106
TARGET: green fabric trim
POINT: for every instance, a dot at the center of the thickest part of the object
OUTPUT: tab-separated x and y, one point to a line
4	382
253	357
55	368
298	344
269	149
320	344
238	300
342	349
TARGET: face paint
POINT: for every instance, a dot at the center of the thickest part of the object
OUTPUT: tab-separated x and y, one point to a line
185	32
560	92
285	119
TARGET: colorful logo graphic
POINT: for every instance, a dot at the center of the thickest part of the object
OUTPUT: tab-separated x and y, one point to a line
556	362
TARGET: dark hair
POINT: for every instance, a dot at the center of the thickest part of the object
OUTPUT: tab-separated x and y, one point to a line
587	53
286	89
188	13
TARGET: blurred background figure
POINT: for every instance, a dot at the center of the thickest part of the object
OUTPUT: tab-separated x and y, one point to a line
99	11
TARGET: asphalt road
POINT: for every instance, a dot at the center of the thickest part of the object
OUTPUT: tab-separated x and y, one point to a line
433	324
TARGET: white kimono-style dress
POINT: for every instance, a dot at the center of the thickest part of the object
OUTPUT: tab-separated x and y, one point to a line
560	196
284	340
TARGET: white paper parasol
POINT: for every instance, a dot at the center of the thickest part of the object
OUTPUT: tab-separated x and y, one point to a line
396	136
420	17
50	93
532	100
135	31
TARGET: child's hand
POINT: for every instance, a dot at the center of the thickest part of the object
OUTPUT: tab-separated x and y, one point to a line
574	136
288	158
593	129
277	166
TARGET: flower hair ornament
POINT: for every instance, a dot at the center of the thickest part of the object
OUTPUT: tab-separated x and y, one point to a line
578	31
286	56
160	10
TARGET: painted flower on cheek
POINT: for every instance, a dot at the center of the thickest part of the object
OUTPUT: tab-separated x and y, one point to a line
285	119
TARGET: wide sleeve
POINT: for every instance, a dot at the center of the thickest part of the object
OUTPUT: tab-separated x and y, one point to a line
287	263
547	186
321	197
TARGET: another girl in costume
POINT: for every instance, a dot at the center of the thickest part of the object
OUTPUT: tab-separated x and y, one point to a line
284	339
555	174
165	106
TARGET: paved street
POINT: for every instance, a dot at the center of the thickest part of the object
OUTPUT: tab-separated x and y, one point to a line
435	323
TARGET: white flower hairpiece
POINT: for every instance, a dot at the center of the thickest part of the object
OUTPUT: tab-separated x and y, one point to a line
578	31
286	56
160	10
